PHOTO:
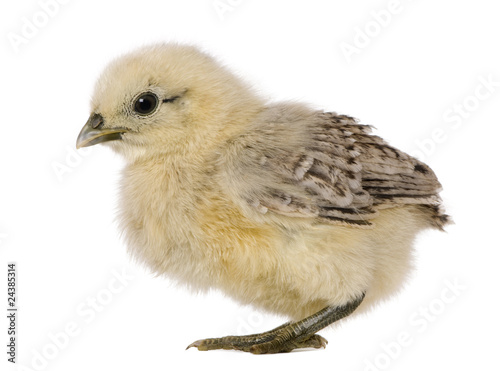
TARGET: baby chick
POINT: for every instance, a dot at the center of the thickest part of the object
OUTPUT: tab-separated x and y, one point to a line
295	211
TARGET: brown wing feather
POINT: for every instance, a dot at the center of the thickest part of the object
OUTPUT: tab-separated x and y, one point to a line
342	173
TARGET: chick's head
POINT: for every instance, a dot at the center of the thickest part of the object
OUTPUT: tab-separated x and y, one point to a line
165	98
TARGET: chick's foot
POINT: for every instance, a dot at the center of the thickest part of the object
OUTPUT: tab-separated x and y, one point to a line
285	338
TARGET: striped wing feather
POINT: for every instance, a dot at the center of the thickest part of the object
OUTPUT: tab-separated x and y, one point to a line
346	174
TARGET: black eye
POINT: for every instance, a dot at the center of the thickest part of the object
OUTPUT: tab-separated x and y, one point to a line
146	103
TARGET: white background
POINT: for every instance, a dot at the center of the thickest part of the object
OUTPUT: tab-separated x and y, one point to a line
409	78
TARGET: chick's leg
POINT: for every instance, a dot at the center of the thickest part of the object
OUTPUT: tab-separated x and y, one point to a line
285	338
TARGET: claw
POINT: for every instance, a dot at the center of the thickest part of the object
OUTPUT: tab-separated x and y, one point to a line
195	344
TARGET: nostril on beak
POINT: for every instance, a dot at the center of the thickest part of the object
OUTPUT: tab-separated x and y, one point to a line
96	121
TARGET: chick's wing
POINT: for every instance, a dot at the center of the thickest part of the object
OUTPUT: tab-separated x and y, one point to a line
326	166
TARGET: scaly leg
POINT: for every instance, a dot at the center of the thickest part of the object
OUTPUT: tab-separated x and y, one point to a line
285	338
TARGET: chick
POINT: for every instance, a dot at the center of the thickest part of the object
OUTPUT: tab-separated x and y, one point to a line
292	210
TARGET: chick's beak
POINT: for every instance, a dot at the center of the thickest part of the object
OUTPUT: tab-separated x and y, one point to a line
93	132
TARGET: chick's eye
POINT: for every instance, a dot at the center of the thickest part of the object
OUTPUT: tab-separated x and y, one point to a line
146	103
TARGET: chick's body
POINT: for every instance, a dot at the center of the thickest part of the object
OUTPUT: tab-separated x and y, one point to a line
187	219
277	205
